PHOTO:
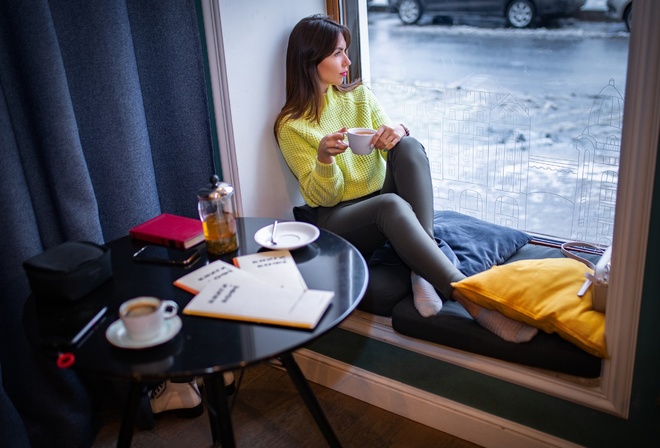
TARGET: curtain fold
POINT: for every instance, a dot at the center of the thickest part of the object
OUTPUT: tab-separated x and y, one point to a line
104	123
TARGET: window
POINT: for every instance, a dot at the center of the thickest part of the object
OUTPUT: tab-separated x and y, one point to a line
579	177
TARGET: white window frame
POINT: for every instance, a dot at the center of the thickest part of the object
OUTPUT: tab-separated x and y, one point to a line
639	148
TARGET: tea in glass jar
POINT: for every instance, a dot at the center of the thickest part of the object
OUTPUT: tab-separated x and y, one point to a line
217	215
220	233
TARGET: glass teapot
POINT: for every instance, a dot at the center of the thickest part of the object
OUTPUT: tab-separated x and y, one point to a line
217	214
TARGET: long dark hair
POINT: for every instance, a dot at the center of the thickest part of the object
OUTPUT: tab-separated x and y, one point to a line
313	39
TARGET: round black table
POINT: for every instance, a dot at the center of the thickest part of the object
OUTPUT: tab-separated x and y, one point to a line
208	346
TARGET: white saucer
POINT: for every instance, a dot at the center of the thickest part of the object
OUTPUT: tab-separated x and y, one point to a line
117	335
289	235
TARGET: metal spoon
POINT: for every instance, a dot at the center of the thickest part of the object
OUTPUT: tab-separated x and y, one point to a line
272	235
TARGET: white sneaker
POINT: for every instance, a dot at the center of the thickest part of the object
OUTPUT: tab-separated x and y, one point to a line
183	399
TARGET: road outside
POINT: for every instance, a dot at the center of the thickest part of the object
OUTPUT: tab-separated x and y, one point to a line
522	127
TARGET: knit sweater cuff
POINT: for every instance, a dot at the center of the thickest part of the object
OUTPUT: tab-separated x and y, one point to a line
325	169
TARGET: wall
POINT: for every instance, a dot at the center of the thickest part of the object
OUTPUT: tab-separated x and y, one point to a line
254	35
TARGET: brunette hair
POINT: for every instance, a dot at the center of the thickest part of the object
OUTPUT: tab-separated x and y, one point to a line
313	39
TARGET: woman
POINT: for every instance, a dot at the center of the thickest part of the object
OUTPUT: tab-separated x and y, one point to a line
367	199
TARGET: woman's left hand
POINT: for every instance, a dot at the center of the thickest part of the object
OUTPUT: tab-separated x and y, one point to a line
387	137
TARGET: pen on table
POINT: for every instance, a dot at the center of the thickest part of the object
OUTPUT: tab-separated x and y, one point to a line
85	330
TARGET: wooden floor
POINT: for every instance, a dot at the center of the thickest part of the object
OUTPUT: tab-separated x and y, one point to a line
268	412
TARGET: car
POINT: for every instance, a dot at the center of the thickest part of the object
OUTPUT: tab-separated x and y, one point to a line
518	13
620	10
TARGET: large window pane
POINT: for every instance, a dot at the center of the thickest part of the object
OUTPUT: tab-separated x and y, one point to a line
522	126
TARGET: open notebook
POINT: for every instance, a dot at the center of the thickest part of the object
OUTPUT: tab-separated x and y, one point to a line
224	291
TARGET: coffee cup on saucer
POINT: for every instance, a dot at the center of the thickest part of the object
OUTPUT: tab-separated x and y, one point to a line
145	317
359	140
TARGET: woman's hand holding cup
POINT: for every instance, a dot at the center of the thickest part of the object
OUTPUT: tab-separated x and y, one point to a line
386	138
332	145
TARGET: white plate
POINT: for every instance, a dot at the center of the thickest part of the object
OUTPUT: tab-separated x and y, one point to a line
289	235
117	335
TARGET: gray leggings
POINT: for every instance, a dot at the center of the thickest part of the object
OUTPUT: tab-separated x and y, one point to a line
402	212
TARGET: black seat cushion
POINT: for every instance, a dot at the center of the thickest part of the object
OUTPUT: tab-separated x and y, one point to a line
389	282
305	213
454	327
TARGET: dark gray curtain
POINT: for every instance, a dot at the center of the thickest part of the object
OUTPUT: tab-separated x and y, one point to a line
104	123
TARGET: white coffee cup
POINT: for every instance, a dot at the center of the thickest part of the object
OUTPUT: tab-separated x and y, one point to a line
144	317
359	140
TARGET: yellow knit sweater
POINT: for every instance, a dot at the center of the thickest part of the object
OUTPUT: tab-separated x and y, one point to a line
350	176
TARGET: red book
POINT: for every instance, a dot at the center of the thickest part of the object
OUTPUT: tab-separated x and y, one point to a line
170	230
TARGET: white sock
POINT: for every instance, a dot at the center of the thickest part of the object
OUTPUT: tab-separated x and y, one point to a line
508	329
426	300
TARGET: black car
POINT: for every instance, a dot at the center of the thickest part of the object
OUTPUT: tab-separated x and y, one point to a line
518	13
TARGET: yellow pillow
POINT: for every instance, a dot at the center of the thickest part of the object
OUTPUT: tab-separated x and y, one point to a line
542	293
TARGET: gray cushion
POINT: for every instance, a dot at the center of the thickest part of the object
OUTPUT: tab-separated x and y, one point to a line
476	245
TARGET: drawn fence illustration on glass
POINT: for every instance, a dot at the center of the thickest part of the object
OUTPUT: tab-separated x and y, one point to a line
490	161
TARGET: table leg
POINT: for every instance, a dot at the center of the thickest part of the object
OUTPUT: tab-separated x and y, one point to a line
130	414
218	410
309	398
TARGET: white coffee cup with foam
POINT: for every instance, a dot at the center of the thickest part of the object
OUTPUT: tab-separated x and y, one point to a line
144	317
359	140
